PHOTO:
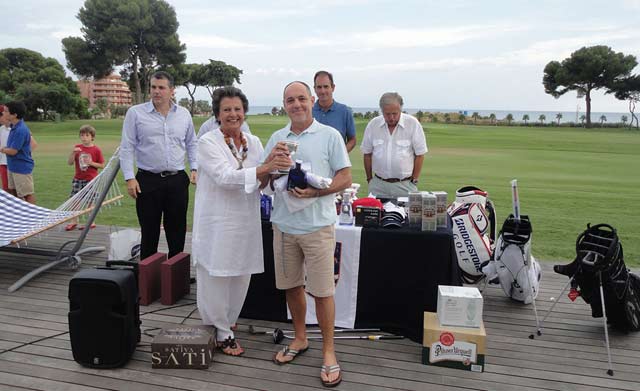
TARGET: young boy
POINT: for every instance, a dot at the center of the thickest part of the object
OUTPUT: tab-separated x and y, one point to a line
18	150
88	159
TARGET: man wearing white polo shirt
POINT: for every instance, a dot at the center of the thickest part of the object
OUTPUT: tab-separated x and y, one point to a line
393	146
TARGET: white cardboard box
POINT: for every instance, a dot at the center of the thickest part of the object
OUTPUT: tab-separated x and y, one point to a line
459	306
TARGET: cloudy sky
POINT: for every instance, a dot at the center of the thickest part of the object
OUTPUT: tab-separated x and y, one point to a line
445	54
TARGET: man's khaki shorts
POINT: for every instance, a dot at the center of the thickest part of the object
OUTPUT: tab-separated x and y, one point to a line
22	183
313	253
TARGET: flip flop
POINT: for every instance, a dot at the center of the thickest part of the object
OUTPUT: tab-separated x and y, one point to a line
288	352
93	225
70	227
328	369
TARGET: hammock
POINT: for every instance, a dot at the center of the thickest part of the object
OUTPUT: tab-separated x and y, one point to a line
20	220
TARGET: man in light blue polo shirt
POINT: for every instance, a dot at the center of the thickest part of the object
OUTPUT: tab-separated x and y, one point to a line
305	240
329	112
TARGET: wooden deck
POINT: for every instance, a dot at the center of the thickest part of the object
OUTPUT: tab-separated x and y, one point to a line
35	352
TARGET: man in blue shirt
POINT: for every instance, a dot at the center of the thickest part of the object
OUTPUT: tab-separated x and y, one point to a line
329	112
158	135
18	150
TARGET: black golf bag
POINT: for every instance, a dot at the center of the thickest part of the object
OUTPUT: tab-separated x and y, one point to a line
473	224
599	260
513	266
104	315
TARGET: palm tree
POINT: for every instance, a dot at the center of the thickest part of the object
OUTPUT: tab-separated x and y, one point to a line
582	119
475	116
603	119
492	118
525	118
461	118
542	118
447	117
509	118
624	120
559	117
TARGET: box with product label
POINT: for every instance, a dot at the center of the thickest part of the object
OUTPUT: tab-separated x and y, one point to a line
187	347
453	347
429	208
415	209
441	208
459	306
367	216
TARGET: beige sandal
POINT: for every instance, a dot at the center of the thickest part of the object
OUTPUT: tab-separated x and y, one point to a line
328	369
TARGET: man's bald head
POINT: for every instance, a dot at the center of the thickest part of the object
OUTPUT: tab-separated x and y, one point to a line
305	85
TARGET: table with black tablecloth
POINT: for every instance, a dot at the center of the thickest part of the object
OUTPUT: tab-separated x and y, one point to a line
399	273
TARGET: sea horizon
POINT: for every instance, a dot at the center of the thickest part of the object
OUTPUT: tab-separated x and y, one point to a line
567	116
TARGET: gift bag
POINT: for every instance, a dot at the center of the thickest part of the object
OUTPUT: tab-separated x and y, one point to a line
125	245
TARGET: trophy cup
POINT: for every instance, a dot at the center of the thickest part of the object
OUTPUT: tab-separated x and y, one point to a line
293	147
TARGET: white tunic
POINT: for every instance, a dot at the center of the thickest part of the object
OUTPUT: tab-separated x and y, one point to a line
227	234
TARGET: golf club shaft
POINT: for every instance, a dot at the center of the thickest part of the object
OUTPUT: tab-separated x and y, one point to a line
369	337
317	331
253	331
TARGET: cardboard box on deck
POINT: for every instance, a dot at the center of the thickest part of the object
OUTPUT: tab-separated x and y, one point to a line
459	306
185	347
453	347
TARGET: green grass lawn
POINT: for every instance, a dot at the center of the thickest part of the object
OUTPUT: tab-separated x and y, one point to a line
567	177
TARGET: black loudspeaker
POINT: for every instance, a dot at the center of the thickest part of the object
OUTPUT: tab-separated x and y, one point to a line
104	315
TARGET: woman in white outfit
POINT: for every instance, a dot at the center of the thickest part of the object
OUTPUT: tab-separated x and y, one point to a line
227	236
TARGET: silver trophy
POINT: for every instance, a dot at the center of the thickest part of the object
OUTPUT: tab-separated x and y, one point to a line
293	147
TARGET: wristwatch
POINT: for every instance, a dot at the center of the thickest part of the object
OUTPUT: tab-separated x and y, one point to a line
414	181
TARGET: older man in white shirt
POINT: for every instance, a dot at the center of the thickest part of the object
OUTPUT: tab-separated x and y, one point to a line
393	146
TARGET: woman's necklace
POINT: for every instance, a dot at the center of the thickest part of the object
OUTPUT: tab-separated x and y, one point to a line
234	150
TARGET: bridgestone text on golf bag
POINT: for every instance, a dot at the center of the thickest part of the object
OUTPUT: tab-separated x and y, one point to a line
473	221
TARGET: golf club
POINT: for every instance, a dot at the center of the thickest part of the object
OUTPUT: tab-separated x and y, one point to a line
279	337
253	331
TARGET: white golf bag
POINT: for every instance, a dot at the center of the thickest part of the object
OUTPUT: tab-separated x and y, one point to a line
513	266
473	224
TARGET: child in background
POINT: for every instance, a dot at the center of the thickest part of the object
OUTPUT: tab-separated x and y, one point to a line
88	159
4	137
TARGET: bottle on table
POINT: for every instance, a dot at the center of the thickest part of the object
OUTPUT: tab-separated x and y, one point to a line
346	210
297	177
